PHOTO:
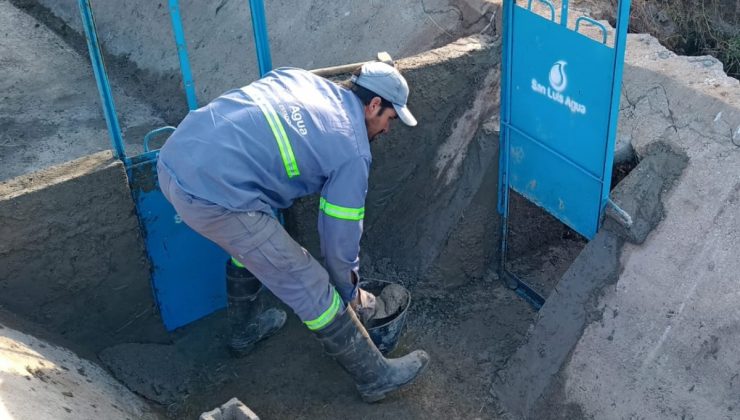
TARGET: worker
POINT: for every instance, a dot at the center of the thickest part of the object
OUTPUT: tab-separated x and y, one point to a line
251	150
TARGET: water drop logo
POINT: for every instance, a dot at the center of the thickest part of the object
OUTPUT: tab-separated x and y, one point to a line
555	92
558	79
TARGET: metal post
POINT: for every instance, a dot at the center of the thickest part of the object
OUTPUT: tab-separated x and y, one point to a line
505	112
182	53
511	280
261	41
620	45
101	78
503	198
564	13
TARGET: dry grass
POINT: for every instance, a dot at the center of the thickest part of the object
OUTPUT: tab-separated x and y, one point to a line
693	27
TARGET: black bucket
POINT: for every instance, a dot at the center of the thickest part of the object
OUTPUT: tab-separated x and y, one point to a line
385	332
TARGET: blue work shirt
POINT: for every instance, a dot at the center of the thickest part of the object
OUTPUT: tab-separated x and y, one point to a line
285	136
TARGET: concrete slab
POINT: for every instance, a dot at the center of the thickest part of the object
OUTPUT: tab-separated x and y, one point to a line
39	380
671	350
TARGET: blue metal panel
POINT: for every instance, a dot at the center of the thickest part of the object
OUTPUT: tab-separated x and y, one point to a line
557	116
570	117
559	106
188	271
570	194
560	101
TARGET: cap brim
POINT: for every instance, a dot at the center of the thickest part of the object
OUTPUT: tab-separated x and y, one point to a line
405	115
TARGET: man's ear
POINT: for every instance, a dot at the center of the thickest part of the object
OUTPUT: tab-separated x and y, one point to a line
375	103
373	106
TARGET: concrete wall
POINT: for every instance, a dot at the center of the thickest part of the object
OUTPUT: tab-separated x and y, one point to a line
71	255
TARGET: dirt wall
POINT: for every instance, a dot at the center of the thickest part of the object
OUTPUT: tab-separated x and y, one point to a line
71	256
424	178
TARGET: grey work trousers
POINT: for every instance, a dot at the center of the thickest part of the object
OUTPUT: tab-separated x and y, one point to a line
259	242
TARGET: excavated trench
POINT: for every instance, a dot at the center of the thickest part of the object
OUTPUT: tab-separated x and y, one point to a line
432	225
73	269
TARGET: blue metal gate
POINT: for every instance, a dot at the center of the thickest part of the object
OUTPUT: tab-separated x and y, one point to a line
559	110
188	271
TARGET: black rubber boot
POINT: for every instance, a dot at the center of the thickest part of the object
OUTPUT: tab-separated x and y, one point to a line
249	322
346	340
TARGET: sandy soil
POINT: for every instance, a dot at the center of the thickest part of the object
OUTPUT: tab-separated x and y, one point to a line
469	334
469	331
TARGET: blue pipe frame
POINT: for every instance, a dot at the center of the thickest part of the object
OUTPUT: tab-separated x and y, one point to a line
101	78
182	54
264	61
153	210
261	40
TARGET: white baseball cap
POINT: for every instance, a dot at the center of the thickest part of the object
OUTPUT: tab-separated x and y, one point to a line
388	83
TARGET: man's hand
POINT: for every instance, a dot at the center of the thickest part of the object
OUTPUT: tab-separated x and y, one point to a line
364	305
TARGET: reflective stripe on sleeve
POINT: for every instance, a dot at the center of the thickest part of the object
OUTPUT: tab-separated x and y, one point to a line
339	212
328	315
273	120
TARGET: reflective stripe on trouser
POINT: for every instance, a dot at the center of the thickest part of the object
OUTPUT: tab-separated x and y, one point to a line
259	241
236	263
